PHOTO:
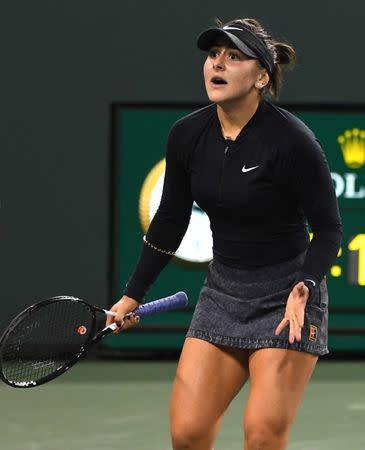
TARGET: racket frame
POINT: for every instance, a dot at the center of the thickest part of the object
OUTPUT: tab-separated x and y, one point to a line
177	300
62	369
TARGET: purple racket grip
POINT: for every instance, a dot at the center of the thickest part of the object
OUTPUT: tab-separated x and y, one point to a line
178	300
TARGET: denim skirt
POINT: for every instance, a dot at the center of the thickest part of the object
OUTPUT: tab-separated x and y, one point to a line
242	308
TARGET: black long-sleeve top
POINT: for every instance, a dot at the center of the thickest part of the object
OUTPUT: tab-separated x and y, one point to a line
259	192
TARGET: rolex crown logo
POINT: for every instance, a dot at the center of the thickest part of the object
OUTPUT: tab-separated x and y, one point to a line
352	143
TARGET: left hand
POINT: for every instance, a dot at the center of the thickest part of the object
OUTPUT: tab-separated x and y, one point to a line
294	312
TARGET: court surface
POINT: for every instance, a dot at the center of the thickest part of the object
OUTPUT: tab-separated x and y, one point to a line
107	405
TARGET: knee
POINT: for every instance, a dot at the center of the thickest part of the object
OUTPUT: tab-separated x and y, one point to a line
258	441
261	436
187	436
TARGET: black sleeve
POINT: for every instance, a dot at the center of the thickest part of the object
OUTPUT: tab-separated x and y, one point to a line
169	224
311	181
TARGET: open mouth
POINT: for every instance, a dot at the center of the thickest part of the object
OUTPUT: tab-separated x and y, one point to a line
218	80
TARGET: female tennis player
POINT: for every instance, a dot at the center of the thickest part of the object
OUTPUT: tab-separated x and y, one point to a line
261	175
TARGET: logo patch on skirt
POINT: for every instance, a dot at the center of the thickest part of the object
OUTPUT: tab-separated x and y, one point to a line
312	333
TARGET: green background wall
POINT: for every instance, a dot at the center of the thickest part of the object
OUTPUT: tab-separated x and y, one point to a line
134	159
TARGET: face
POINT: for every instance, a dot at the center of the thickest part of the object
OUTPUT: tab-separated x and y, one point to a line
230	76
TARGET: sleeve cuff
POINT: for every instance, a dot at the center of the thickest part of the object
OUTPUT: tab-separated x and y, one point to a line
310	281
134	291
311	285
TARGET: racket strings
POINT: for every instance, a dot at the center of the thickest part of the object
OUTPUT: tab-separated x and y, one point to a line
45	340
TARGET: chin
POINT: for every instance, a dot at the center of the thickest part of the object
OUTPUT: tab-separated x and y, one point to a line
217	97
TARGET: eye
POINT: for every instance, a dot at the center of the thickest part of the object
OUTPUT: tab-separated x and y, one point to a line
213	53
234	56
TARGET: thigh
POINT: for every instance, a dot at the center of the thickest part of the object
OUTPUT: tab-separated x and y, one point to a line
208	377
278	380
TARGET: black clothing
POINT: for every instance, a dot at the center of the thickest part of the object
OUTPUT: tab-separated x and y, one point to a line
258	192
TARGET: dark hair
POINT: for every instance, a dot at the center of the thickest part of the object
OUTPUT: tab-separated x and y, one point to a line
283	54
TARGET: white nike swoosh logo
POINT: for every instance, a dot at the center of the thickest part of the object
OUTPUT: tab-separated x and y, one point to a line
244	170
232	28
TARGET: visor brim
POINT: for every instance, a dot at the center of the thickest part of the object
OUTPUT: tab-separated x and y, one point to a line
208	38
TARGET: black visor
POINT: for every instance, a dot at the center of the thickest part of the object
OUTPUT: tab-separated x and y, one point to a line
243	39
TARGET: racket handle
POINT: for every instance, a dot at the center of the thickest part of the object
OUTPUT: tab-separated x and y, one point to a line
178	300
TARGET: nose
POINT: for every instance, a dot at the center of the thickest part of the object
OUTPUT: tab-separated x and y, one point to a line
218	62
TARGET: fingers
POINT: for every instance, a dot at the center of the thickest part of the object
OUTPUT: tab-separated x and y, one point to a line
129	320
294	313
281	326
295	333
109	318
300	318
109	321
295	329
119	318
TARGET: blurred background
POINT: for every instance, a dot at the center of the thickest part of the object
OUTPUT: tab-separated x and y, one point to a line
89	91
70	70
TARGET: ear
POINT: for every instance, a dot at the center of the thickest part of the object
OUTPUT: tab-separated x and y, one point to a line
262	80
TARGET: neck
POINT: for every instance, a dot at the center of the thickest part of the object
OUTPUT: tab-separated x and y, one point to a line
234	117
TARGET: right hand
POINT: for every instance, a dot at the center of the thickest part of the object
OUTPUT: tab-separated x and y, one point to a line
123	307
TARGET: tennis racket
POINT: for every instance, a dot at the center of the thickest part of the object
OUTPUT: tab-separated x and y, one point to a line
49	337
